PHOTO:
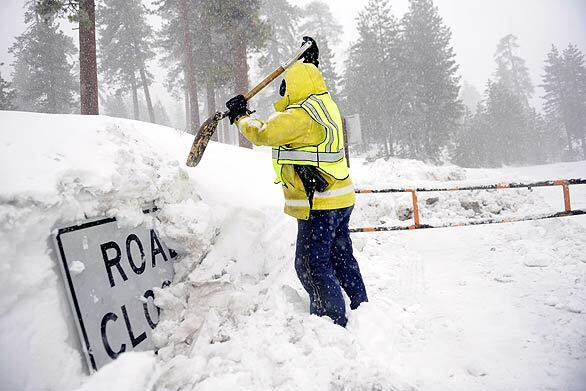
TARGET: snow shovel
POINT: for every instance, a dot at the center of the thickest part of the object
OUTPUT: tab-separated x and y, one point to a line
207	129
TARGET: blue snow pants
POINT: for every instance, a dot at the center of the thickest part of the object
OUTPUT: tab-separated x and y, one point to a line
325	264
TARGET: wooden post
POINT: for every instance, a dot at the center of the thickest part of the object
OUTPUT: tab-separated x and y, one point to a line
346	141
567	205
415	207
564	184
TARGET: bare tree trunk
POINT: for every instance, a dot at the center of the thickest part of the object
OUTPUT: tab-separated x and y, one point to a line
190	68
52	96
135	108
390	141
187	116
387	149
221	132
211	103
88	71
211	99
569	138
147	95
241	80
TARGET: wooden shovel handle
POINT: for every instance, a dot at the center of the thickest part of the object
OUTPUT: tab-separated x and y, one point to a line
277	72
260	86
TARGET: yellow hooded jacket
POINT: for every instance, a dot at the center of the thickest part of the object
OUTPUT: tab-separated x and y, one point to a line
294	128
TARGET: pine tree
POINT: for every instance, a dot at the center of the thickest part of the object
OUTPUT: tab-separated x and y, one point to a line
220	33
189	55
433	108
7	94
245	31
574	75
327	65
463	141
161	114
83	12
284	39
185	37
115	105
540	145
372	79
471	138
288	23
170	39
470	96
283	19
507	126
511	70
500	132
317	20
125	48
555	139
564	83
554	87
43	76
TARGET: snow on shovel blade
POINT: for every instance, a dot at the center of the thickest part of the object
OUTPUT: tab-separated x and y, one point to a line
203	136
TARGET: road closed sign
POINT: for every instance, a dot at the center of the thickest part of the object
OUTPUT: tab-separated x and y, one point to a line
109	274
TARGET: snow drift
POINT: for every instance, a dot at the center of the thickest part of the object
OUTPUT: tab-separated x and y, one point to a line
478	308
58	170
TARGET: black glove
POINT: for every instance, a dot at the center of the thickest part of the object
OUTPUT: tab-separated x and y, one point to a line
311	54
237	108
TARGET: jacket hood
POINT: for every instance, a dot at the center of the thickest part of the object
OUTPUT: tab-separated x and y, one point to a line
302	80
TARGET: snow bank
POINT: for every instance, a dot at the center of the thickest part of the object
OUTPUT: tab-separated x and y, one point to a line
236	307
58	169
236	315
457	207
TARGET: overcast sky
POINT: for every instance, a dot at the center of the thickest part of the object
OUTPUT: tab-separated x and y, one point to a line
476	25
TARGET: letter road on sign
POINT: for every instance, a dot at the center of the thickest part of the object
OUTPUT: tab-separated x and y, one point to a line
112	295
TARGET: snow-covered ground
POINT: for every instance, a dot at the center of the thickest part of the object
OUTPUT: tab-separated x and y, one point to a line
491	307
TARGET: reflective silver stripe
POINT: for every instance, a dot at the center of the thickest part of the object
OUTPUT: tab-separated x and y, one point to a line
297	203
297	155
294	155
331	121
331	157
320	120
335	192
326	194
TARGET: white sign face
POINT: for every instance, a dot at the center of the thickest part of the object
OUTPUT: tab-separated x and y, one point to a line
110	273
354	129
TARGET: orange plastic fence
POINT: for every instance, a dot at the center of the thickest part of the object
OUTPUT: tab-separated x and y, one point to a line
564	183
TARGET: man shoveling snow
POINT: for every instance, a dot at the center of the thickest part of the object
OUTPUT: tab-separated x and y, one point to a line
308	156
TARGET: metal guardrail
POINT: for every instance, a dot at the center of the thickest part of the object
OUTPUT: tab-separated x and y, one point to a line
564	183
